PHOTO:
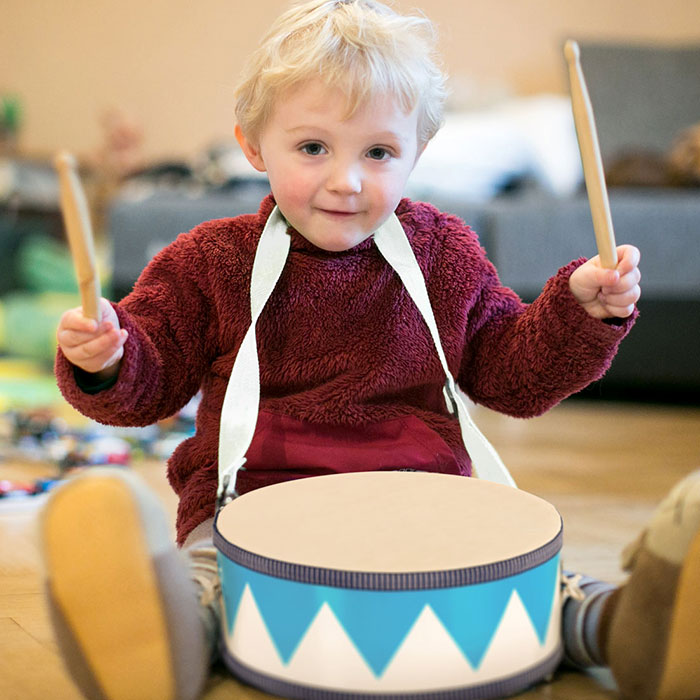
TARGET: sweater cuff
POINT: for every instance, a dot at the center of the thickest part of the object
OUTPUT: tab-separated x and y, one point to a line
89	384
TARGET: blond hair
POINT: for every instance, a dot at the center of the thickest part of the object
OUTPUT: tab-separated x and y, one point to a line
360	46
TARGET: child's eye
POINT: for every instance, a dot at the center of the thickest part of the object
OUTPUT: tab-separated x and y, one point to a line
313	149
378	153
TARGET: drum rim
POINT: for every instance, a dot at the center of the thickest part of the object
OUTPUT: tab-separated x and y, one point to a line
388	581
496	688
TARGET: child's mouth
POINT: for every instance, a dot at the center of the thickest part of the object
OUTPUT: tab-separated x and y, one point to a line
338	213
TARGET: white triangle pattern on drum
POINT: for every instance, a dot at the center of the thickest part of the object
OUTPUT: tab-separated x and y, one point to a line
553	636
516	643
288	608
250	640
327	656
514	647
427	659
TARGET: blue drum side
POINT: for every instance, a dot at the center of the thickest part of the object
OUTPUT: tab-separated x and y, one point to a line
377	621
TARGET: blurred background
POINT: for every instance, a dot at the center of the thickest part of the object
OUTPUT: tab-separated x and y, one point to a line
142	93
172	64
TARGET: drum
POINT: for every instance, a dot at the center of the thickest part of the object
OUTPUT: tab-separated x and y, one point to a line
390	585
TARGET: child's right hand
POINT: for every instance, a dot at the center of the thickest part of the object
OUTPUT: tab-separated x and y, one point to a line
94	347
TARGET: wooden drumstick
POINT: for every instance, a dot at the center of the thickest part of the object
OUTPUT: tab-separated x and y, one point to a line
76	218
590	157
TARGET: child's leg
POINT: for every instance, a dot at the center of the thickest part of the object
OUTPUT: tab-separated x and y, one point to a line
204	570
122	603
647	630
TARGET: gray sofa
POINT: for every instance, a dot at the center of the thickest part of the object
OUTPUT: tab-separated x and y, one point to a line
643	97
529	237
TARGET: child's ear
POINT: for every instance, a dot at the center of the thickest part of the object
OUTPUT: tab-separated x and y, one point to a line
419	153
251	151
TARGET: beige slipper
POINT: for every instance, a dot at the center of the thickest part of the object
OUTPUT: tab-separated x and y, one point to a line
121	601
653	645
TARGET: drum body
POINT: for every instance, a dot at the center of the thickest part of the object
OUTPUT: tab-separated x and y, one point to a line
390	585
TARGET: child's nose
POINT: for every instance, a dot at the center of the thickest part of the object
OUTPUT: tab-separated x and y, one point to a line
345	178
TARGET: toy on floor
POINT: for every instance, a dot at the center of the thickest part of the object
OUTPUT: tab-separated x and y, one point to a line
21	489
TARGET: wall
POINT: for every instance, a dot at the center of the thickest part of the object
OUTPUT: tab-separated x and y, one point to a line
172	63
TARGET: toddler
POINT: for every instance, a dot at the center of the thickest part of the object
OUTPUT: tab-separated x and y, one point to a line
336	106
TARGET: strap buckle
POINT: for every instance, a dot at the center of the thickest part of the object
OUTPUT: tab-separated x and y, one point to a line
450	400
224	495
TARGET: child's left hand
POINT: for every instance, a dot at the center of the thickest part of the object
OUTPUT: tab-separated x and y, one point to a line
607	293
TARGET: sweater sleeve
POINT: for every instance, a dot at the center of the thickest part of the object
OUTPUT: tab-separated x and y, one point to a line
170	321
524	359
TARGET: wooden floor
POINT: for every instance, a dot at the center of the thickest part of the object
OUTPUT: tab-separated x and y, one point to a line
603	465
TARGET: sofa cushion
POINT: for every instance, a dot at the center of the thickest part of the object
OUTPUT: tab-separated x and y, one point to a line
643	96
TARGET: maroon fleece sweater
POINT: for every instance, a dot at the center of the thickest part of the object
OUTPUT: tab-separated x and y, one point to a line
350	379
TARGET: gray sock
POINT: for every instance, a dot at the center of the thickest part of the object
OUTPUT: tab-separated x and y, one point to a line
584	601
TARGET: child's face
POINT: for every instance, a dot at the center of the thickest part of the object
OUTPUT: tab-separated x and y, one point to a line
336	180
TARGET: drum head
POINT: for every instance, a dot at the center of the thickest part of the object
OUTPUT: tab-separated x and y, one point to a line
389	522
